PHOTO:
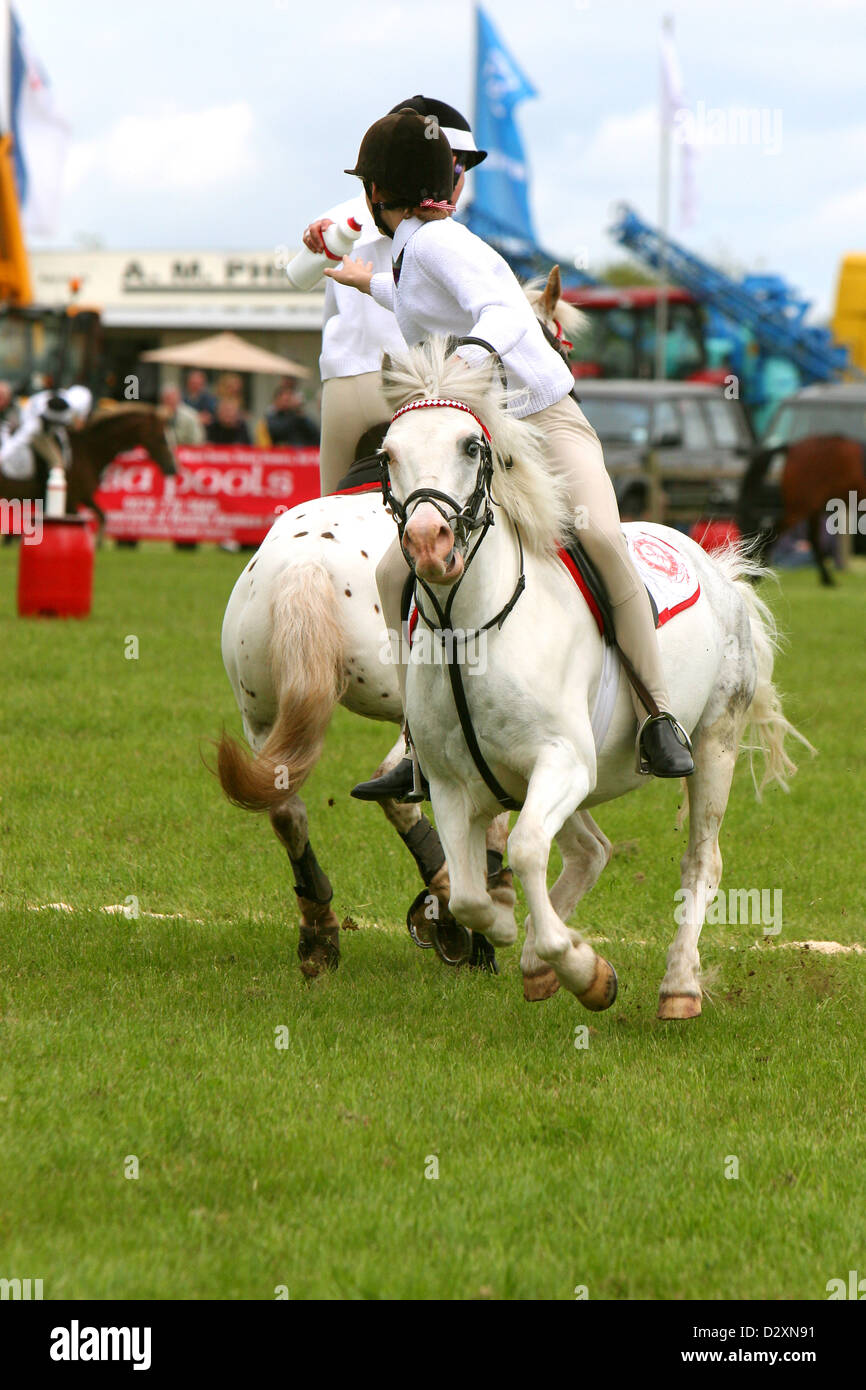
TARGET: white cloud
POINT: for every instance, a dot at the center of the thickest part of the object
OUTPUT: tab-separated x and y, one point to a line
843	218
172	151
624	148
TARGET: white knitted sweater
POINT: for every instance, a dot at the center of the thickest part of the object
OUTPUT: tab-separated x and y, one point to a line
450	281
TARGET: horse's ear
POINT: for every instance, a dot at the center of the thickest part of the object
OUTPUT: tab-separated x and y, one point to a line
552	292
386	363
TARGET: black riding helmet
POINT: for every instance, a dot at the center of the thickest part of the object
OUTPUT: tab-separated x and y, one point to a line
454	127
408	158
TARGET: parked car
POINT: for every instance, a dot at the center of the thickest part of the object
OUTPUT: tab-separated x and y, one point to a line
700	440
819	410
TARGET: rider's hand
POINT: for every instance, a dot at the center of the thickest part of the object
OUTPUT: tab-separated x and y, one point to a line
313	235
357	274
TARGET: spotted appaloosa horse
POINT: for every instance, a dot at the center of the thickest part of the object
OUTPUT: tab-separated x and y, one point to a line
303	631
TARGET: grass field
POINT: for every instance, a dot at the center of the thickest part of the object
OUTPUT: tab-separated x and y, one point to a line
154	1038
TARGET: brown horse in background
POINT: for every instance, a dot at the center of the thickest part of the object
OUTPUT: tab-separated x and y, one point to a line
111	430
818	471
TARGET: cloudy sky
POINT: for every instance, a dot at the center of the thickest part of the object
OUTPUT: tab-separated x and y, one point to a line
209	124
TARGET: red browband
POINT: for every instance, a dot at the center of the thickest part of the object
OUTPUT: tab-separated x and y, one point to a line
452	405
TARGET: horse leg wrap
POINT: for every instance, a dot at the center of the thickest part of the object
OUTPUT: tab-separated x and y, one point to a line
500	880
423	843
311	882
494	863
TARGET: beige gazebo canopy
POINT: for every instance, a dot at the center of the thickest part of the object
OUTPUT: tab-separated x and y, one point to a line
226	352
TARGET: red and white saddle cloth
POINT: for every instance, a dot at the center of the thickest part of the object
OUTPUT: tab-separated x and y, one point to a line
673	584
668	575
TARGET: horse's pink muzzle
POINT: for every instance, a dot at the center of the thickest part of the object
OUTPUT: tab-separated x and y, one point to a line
428	542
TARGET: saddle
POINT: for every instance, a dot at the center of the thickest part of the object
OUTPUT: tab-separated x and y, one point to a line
364	471
591	585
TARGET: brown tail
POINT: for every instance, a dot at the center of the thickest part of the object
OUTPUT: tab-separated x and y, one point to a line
307	658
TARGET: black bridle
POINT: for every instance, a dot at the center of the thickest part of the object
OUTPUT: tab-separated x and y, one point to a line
475	515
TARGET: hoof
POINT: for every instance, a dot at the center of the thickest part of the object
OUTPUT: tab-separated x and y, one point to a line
418	923
542	985
319	939
483	955
602	991
318	951
452	942
679	1006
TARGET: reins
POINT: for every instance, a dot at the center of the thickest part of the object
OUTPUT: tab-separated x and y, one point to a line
463	521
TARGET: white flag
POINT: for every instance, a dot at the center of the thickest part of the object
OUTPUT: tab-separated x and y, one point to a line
676	112
41	137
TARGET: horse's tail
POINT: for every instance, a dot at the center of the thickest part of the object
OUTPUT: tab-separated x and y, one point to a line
307	660
768	729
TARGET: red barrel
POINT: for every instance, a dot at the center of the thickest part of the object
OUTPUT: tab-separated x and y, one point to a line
55	574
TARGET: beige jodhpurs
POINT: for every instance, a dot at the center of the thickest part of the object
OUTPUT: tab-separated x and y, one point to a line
574	451
351	405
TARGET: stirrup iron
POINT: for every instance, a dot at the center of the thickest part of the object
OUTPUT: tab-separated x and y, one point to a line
641	761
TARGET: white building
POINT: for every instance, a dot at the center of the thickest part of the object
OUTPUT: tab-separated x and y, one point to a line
150	299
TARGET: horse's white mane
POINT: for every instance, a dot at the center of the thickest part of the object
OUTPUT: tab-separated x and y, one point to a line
529	492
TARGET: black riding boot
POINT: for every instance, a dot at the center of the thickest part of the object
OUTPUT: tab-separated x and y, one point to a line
405	782
664	748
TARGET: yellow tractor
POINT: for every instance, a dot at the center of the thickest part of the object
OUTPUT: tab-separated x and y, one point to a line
849	320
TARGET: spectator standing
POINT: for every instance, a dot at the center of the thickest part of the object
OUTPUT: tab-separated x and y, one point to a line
229	425
285	423
200	397
184	422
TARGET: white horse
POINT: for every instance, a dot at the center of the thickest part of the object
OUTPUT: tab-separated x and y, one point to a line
531	711
303	631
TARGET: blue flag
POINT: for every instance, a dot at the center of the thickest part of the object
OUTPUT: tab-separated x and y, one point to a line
500	207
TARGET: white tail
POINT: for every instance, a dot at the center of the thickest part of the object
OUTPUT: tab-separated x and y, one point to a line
768	727
308	663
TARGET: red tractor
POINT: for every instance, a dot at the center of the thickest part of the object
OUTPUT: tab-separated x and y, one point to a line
621	341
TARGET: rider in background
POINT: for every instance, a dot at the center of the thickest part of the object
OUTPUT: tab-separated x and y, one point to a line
44	421
356	331
445	280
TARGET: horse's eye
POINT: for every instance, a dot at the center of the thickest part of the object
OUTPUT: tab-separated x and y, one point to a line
471	446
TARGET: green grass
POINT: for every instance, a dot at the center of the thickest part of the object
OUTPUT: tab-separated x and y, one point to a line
602	1166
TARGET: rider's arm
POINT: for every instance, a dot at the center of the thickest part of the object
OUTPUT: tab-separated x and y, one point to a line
382	289
483	286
